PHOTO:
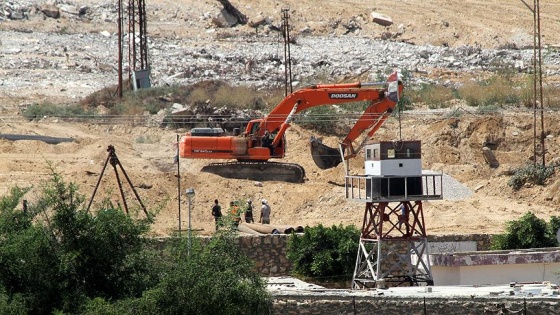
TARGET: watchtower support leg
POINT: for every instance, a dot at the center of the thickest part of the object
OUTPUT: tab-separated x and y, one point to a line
393	246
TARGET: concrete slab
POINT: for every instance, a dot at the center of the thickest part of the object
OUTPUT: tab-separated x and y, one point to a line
292	286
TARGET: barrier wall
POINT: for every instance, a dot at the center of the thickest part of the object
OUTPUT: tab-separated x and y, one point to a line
325	304
269	251
269	254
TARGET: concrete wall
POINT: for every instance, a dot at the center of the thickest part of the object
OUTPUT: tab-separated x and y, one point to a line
478	268
269	251
448	267
269	254
356	305
454	243
492	274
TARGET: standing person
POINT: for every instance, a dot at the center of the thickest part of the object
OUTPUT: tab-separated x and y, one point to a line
403	217
265	212
249	212
235	214
217	213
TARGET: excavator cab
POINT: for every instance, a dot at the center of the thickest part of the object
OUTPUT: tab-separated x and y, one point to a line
251	132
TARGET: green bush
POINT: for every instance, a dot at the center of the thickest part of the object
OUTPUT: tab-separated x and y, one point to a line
327	253
531	173
56	255
551	96
485	109
553	227
42	110
214	279
498	91
405	101
435	96
527	232
237	97
152	100
148	139
58	258
12	305
332	119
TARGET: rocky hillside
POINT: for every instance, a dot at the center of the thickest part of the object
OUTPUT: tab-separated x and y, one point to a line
64	51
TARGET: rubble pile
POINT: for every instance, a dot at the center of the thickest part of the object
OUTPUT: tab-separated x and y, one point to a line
77	64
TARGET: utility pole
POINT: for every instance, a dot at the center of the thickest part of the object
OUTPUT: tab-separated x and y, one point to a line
538	15
287	56
138	65
538	104
177	160
119	40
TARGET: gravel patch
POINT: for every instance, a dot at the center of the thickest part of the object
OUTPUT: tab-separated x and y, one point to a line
452	188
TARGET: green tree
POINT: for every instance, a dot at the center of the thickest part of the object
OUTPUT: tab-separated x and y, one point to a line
553	227
57	255
527	232
27	262
328	253
12	305
214	279
57	258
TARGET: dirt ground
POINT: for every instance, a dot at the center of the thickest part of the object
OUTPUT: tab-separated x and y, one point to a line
450	145
146	155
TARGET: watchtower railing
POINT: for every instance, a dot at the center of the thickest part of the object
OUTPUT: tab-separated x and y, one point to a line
369	188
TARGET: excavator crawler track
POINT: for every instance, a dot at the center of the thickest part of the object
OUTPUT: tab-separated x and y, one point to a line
260	171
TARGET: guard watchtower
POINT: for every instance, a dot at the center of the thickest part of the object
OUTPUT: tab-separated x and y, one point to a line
393	243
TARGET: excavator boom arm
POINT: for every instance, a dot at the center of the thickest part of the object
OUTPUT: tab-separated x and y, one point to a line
372	119
380	95
280	118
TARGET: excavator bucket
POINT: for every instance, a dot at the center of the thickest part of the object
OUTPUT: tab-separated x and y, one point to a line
324	156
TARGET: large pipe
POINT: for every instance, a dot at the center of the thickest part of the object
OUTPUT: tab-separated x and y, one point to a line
274	228
288	229
261	228
246	229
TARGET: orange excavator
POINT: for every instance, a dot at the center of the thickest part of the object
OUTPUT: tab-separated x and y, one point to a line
264	139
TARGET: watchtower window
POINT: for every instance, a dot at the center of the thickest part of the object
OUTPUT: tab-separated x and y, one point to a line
409	152
368	155
375	154
391	153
